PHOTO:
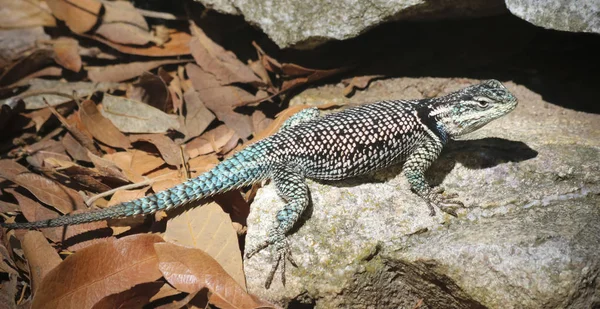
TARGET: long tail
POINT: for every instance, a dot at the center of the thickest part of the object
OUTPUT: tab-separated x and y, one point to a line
245	167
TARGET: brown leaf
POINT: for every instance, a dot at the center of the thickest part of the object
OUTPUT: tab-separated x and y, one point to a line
26	66
125	71
221	100
101	128
209	228
152	90
10	168
66	54
122	24
50	192
74	148
16	43
40	255
136	297
100	270
38	158
169	151
190	270
9	292
34	211
260	122
178	45
24	14
211	141
197	117
223	64
108	167
79	15
132	116
135	163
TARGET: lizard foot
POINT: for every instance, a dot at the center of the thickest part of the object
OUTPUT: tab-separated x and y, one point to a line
282	252
446	203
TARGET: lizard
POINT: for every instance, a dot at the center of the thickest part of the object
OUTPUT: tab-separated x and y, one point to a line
336	146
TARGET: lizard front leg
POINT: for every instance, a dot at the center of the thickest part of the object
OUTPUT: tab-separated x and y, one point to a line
291	186
414	169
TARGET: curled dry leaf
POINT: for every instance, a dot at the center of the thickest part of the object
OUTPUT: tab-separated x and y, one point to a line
169	151
48	191
30	64
17	42
222	100
66	54
41	257
79	15
24	14
222	64
122	24
74	148
197	116
152	90
178	45
101	128
125	71
190	270
211	141
38	91
135	163
136	117
100	270
209	228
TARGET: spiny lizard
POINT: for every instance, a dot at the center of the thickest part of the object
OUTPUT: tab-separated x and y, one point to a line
352	142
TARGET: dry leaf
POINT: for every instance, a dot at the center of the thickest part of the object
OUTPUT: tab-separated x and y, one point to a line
68	88
74	148
26	66
121	23
169	151
79	15
260	122
197	116
34	211
209	228
136	117
222	100
211	141
190	270
222	64
178	45
41	257
24	14
66	54
100	270
17	42
135	163
125	71
152	90
101	128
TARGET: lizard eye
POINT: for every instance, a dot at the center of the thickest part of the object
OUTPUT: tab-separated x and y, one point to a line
483	103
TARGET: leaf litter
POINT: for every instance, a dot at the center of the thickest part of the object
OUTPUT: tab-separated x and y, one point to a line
102	103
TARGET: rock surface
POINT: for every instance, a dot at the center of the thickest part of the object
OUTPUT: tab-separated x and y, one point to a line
565	15
305	24
529	238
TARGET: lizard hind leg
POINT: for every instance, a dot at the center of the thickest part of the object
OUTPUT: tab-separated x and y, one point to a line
290	183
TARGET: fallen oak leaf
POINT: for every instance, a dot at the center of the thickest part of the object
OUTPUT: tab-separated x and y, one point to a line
125	71
136	297
169	151
152	90
197	116
122	24
100	127
210	229
48	191
66	53
100	270
178	45
24	14
79	15
136	117
191	270
41	257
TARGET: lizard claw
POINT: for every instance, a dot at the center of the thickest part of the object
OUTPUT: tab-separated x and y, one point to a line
446	203
283	253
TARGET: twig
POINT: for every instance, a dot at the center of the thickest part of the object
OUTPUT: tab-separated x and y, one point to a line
161	15
125	187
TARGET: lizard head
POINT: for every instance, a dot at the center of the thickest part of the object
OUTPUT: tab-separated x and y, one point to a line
471	108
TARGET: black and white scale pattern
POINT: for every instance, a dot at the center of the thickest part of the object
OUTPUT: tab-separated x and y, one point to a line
337	146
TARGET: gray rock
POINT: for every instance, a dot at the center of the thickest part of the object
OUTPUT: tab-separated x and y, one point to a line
305	24
529	238
565	15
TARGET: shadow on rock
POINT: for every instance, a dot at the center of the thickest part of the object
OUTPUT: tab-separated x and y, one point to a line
478	154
